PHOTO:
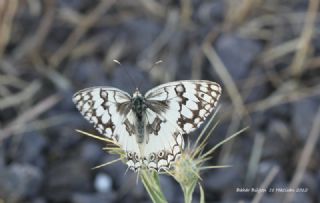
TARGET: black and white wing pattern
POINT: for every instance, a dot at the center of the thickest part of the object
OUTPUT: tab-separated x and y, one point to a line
151	136
109	110
174	109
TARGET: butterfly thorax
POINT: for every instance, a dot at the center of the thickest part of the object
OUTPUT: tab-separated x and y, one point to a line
139	108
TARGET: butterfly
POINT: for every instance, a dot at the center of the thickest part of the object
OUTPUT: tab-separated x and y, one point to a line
149	127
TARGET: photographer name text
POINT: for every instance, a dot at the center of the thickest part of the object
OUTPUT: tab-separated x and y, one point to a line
270	190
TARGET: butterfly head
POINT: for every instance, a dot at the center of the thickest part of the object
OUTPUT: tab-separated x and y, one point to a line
136	93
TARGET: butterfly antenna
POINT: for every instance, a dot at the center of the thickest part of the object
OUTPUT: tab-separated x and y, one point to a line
150	69
126	70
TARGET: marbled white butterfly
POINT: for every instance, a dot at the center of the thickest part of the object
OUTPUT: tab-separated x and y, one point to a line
149	127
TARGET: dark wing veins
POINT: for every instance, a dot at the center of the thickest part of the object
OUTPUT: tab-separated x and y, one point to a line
154	127
158	106
124	108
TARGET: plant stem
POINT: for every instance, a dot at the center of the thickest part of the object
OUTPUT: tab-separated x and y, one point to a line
151	182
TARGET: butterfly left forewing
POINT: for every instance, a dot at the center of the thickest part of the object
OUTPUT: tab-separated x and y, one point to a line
103	107
109	110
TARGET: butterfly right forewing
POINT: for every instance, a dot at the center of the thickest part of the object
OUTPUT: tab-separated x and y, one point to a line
189	102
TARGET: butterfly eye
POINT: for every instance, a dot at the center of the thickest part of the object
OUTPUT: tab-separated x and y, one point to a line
161	154
152	156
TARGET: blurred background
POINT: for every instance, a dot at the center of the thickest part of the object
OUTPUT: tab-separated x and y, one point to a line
265	54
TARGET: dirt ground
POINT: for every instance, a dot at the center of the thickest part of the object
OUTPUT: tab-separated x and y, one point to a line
265	55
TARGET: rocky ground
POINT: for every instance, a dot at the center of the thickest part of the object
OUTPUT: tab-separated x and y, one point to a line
265	54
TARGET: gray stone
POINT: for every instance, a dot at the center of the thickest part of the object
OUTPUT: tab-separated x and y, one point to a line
211	11
92	198
237	54
309	182
128	78
65	178
141	32
224	178
301	197
168	188
88	72
259	90
103	183
303	116
31	149
264	169
77	4
318	185
92	153
275	143
116	170
18	182
2	157
38	200
270	199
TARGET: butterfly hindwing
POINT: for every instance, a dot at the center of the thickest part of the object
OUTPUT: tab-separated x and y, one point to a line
164	143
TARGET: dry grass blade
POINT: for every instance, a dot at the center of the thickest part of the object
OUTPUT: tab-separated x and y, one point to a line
29	115
200	147
12	81
186	12
282	98
44	123
267	181
7	12
255	158
24	95
213	167
223	73
305	38
152	51
238	11
305	156
208	153
154	7
279	51
205	129
37	38
97	137
86	23
106	164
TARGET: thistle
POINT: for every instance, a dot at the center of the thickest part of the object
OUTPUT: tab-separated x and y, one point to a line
186	170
